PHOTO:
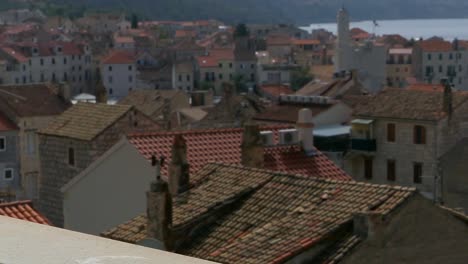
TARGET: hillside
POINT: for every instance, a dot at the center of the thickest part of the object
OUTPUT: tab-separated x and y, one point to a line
301	12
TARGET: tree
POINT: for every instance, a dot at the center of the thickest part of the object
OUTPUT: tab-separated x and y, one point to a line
240	83
134	21
300	77
241	30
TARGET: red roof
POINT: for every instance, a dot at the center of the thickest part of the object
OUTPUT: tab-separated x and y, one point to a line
435	45
224	146
215	56
306	42
15	54
23	210
6	124
276	90
119	57
184	33
426	87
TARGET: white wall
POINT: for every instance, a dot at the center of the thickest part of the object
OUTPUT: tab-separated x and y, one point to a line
120	80
112	191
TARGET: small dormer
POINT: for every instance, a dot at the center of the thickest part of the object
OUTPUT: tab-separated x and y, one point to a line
35	51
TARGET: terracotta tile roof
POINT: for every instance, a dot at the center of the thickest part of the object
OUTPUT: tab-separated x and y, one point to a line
150	102
305	42
85	121
272	217
276	90
278	40
415	104
23	210
6	124
215	56
435	45
15	54
425	87
119	57
32	100
223	145
119	39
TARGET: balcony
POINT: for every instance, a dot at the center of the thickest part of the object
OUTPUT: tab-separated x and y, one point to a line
366	145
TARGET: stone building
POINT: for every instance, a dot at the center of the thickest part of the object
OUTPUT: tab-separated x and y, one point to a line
31	107
74	140
9	159
271	217
187	152
368	58
399	136
399	66
436	59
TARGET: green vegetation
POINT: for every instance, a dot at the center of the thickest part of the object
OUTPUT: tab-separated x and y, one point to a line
300	77
241	31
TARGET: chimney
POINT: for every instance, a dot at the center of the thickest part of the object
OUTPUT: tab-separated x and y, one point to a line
252	152
159	208
305	128
100	90
368	225
448	97
179	177
64	91
166	112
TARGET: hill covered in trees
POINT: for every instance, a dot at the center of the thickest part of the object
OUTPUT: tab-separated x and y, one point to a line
300	12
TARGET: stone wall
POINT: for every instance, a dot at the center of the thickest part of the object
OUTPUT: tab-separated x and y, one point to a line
56	171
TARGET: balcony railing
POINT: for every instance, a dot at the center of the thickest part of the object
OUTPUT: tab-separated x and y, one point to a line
369	145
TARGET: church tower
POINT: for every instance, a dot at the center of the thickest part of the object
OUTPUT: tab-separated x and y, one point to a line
343	42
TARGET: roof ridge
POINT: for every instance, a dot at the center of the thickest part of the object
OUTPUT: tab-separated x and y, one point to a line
16	203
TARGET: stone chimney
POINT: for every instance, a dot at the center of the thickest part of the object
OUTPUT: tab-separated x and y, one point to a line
64	91
305	128
368	225
100	90
448	97
252	146
179	177
166	112
159	209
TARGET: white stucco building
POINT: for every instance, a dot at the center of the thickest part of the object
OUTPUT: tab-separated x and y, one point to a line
119	73
368	58
26	63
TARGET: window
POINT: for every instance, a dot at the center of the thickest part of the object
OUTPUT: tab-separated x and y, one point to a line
252	66
429	56
188	78
441	57
110	68
390	132
180	78
42	62
220	76
53	77
450	56
109	79
64	60
73	57
130	78
65	77
242	66
53	60
110	91
417	172
419	136
368	168
130	67
230	65
441	69
391	171
460	68
2	143
252	77
24	67
8	174
71	156
42	77
220	65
